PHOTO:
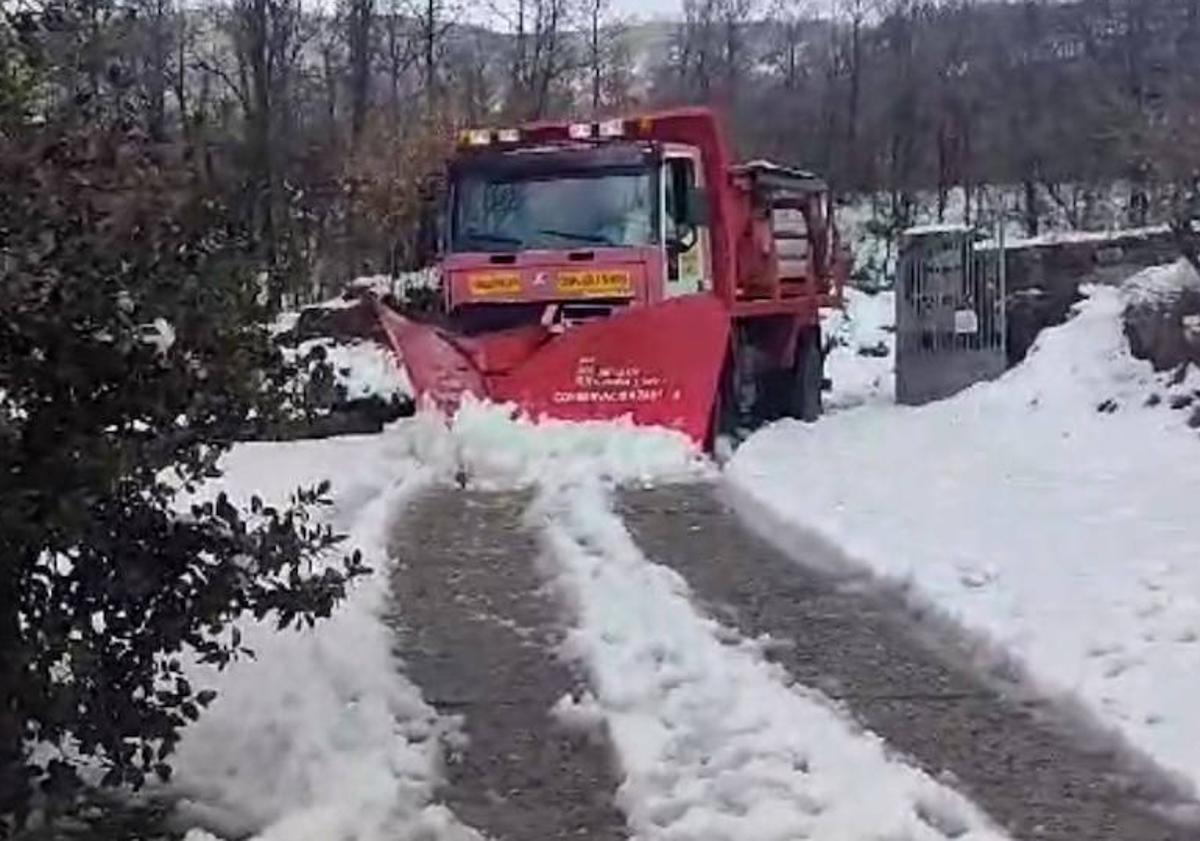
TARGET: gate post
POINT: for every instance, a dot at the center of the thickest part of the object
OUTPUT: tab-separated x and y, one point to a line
950	324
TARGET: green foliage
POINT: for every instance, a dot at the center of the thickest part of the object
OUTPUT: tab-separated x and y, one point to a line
131	357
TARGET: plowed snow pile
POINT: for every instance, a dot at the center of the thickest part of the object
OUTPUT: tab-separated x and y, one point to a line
323	737
862	349
1052	512
716	743
320	735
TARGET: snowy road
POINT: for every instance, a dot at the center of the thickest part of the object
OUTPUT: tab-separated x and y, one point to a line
485	608
861	650
479	638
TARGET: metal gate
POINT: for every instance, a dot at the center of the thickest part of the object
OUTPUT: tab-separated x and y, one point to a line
950	319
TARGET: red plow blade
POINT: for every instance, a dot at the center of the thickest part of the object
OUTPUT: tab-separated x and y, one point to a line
439	369
659	365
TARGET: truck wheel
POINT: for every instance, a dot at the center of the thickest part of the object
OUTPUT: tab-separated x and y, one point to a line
727	413
808	377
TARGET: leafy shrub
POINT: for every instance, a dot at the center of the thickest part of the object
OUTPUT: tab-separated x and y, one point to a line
131	358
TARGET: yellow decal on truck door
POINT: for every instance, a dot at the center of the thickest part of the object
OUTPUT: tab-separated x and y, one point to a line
494	283
595	283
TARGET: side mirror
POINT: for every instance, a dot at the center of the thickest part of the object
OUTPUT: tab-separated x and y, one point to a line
696	211
684	239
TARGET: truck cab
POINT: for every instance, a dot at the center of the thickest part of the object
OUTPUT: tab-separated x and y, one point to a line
572	231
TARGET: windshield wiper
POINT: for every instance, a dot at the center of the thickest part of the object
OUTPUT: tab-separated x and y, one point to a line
599	239
484	236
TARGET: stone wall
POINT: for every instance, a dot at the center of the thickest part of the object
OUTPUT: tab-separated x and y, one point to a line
1044	275
1162	316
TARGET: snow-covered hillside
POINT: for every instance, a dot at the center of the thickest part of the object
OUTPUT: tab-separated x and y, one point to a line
1052	513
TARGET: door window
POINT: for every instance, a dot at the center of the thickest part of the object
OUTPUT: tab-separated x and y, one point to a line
685	264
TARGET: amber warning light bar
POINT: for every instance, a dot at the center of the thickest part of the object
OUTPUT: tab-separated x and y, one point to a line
602	130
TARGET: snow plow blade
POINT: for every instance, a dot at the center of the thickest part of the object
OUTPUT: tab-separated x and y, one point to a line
660	365
439	370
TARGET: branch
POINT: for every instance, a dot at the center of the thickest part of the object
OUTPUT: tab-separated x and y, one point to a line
207	67
1053	192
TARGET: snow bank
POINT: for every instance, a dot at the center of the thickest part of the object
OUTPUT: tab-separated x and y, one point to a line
401	285
492	446
1162	284
320	736
715	743
1079	237
862	349
1053	512
363	368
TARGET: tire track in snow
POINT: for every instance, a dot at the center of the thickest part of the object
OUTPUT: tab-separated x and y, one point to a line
716	743
858	649
479	636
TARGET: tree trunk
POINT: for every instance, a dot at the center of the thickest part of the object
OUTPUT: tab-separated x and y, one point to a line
430	57
13	785
361	20
852	104
595	50
1032	217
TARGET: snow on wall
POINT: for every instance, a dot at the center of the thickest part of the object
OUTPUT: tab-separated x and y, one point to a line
1101	210
1162	284
716	744
1053	512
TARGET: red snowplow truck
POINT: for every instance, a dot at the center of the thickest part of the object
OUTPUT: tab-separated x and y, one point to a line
628	268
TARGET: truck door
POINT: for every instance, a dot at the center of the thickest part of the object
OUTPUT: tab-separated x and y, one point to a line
685	244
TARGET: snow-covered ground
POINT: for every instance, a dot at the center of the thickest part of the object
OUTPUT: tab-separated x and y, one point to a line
320	735
363	368
402	285
861	356
1052	513
717	744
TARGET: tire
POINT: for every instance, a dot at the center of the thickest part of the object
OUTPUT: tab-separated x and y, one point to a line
728	417
808	377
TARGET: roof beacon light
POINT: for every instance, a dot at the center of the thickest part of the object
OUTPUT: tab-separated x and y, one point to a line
479	137
579	131
612	128
508	135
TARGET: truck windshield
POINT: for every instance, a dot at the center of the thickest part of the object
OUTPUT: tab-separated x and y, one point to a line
604	208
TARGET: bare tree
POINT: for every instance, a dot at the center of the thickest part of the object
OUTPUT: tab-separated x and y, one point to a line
360	52
790	18
544	56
